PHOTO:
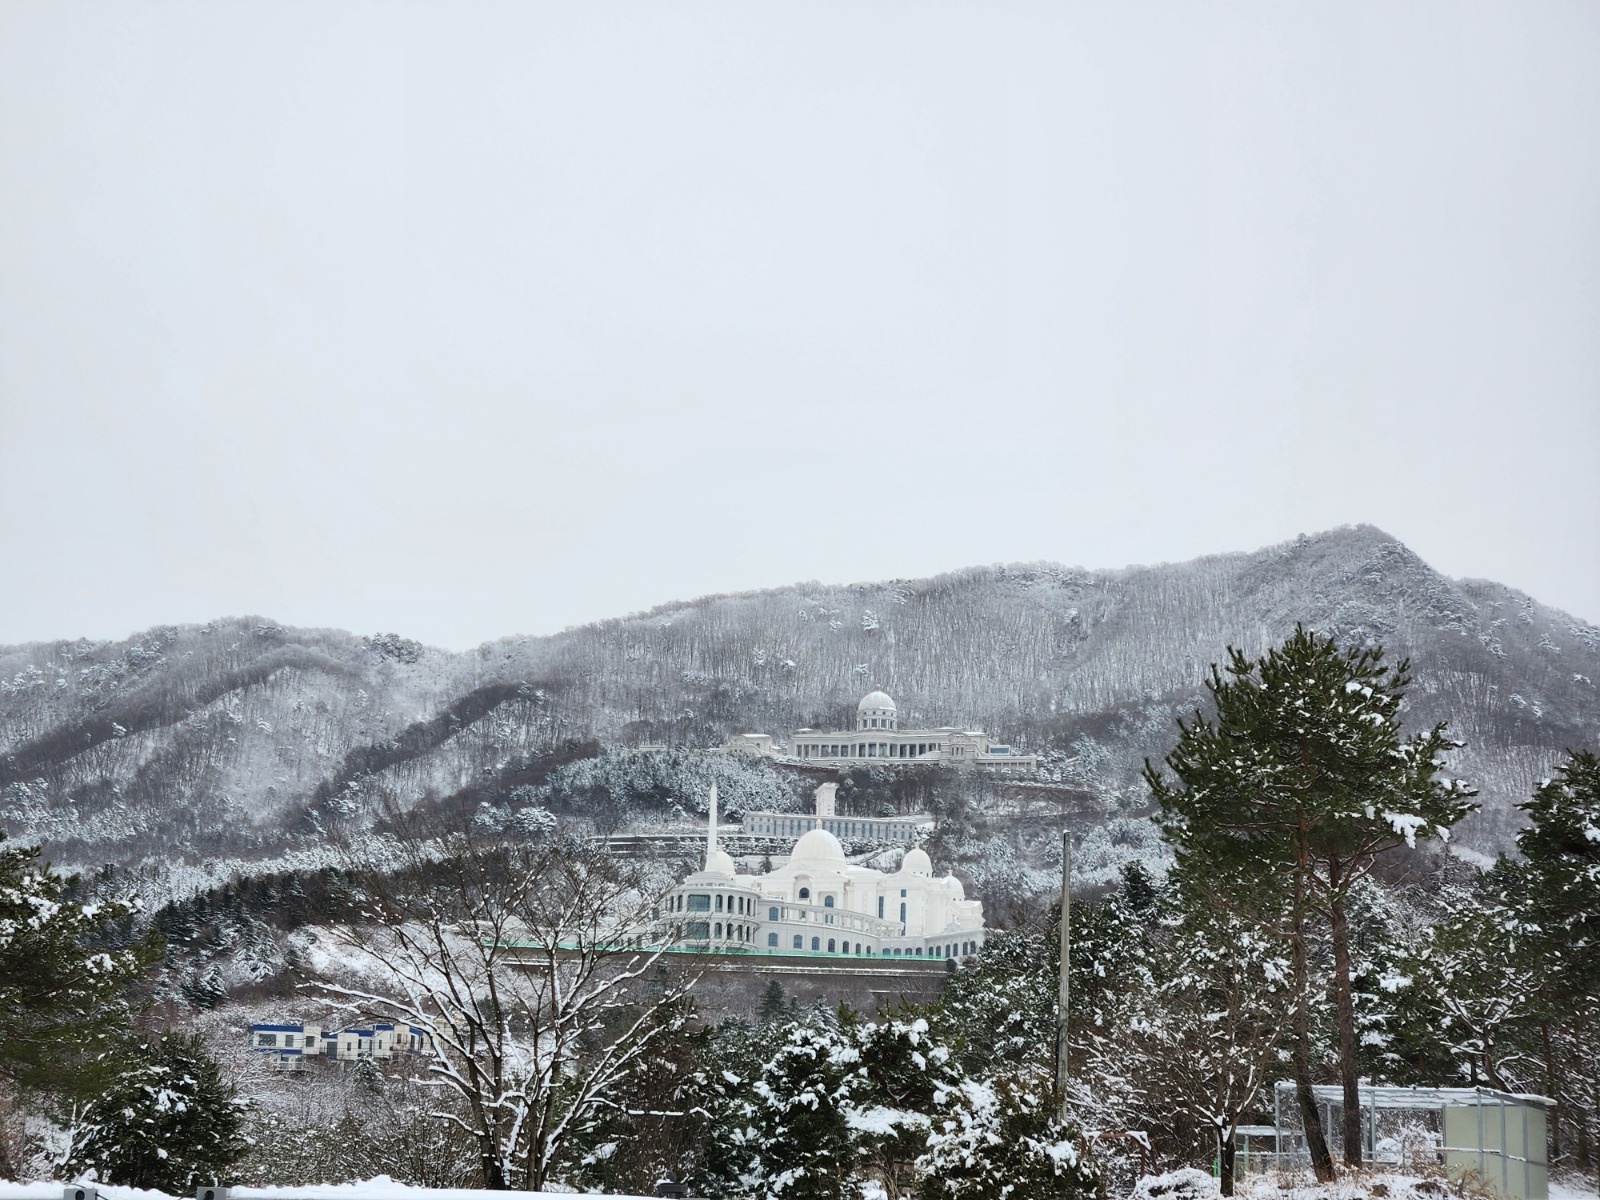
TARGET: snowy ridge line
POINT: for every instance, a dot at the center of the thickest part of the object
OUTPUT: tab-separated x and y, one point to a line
380	1188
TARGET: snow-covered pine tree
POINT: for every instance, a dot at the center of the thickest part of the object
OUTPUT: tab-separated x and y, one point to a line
63	979
902	1073
1561	862
1284	802
1560	893
1001	1010
1000	1139
782	1133
167	1122
1461	998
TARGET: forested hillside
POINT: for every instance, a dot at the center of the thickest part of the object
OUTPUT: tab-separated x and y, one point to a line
242	739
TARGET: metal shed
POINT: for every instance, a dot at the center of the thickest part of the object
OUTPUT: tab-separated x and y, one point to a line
1498	1138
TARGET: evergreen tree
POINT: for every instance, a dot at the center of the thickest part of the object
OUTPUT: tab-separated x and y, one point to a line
1000	1139
63	977
902	1070
1561	853
781	1131
167	1122
775	1006
1283	803
1560	900
1457	1001
1001	1009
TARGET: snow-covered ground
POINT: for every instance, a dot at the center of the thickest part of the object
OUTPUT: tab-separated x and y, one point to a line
1189	1184
381	1188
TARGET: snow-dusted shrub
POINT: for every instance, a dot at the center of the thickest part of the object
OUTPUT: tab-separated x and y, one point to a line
167	1121
1186	1183
1000	1139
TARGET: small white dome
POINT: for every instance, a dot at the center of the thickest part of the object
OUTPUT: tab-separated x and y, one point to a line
818	846
876	700
720	861
917	862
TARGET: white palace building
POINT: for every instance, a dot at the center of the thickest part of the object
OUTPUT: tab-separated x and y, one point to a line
878	736
819	904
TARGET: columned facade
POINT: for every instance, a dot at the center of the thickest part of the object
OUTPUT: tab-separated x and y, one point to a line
878	736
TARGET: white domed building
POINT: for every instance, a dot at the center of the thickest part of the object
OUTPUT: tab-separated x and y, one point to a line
819	903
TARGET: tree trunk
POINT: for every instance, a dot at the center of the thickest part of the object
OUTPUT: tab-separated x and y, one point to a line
1305	1098
1550	1090
1345	1008
1225	1157
494	1179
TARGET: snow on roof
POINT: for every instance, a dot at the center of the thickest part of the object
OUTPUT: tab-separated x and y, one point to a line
1398	1096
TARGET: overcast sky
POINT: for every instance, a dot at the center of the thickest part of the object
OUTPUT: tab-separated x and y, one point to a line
464	320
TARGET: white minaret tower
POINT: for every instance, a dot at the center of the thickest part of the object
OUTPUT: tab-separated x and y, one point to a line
711	831
718	860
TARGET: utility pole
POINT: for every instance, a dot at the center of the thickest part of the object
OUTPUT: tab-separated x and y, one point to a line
1061	998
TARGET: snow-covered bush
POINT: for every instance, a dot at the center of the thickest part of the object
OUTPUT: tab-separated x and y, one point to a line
1186	1183
167	1122
999	1139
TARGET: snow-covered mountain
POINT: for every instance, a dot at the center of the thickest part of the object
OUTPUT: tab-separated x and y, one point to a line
235	739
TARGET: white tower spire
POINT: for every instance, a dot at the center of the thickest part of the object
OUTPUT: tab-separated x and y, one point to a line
711	831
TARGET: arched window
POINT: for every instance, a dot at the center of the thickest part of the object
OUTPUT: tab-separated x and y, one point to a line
832	945
805	893
827	902
772	914
718	929
797	941
772	940
816	943
719	901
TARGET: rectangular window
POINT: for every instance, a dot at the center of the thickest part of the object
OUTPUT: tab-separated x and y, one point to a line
880	909
266	1039
699	903
700	930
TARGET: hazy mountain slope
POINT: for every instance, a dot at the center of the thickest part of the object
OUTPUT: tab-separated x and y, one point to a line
220	740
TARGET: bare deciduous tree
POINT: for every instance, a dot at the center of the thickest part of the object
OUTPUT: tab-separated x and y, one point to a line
529	967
